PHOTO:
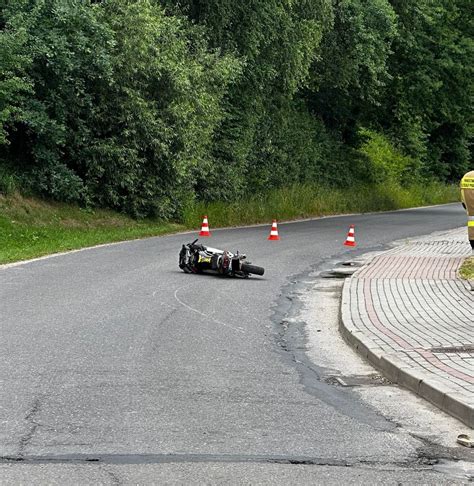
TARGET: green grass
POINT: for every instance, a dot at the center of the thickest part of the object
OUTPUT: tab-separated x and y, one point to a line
30	227
304	201
467	269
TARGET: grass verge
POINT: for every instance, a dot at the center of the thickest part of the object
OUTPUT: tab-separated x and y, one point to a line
467	269
30	227
304	201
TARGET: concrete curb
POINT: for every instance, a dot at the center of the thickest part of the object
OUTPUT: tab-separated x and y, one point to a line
399	372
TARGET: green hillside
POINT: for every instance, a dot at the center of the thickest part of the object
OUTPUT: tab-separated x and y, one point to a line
152	108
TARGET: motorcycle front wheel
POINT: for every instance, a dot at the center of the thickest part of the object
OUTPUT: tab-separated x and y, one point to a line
247	268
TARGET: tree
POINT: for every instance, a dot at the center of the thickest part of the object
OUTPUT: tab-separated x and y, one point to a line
348	78
124	101
429	103
277	42
14	60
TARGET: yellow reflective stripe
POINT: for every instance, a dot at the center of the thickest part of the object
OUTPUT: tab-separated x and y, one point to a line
470	224
467	183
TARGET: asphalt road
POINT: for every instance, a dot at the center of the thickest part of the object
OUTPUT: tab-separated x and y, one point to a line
117	367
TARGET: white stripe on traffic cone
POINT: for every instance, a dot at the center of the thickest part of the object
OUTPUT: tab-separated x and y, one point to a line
205	228
274	232
350	240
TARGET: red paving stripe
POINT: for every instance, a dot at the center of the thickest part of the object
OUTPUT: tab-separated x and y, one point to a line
427	355
410	300
374	318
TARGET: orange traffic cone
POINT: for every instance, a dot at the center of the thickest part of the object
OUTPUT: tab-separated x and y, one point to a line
350	240
274	231
205	228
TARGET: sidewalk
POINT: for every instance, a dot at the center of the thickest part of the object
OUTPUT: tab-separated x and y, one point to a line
409	314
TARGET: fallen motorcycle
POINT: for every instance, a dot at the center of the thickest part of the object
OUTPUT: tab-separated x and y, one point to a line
197	258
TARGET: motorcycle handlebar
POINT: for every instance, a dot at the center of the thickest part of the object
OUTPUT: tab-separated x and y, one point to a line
194	246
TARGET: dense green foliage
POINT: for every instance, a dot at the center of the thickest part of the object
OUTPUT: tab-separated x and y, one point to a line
147	106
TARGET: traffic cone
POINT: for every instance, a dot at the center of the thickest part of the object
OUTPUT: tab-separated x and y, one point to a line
274	231
205	228
350	240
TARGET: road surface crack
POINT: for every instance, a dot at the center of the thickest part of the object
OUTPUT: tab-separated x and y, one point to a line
33	425
115	480
133	459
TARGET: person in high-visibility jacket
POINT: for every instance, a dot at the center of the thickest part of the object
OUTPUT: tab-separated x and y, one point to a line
467	196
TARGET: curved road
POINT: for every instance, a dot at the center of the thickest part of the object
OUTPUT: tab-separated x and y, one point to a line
113	355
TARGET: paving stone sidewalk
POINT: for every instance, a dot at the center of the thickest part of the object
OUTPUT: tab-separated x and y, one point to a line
409	314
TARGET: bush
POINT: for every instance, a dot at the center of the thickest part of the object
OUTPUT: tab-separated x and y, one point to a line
8	182
386	162
59	183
